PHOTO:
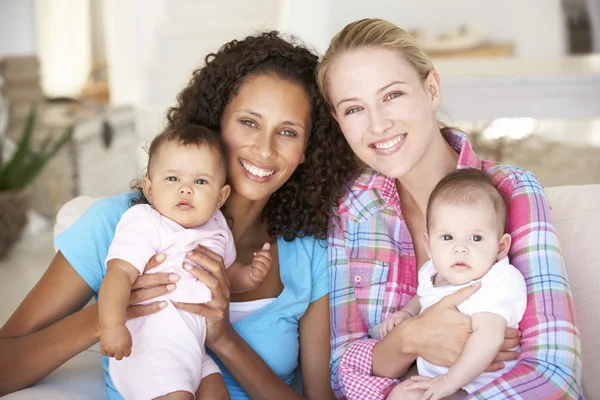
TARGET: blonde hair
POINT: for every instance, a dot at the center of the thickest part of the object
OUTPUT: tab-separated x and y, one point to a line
373	33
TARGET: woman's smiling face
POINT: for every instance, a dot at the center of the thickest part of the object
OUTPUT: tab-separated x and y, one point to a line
385	110
266	127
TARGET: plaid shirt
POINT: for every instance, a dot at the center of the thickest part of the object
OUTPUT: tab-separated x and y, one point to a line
374	273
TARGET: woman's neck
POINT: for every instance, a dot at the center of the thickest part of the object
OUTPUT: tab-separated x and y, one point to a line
246	214
439	159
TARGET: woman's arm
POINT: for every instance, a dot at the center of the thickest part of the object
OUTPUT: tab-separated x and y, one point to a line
248	368
550	363
315	350
47	329
50	327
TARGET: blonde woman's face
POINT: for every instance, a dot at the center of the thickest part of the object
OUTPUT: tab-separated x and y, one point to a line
385	111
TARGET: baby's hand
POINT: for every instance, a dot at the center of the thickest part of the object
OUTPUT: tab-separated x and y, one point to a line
391	321
115	341
437	388
262	263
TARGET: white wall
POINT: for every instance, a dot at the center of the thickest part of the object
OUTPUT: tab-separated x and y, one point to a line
17	27
535	26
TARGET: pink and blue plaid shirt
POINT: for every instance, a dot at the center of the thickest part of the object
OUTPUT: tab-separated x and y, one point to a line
374	273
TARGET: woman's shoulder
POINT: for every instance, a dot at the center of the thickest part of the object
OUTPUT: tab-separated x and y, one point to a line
364	195
508	178
302	248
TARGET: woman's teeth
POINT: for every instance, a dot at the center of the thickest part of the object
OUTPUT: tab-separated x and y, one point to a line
389	144
257	171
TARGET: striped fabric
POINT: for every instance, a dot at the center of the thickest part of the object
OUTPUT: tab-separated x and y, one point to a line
374	273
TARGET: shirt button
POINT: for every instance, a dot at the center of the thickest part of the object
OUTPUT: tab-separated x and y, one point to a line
357	278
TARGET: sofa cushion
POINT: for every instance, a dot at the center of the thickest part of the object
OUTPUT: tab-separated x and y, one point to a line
576	216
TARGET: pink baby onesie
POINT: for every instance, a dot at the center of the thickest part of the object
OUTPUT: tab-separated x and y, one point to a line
168	352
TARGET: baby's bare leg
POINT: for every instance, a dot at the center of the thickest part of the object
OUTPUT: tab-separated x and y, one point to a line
400	392
180	395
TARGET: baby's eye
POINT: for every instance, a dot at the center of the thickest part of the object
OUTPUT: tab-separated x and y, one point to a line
172	178
476	238
201	182
446	237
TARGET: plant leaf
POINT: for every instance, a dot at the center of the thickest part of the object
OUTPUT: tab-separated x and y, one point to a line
22	153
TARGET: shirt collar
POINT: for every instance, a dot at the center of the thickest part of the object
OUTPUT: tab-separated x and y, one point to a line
370	179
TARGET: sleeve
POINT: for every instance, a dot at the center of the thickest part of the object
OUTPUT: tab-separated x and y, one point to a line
136	237
209	366
85	243
351	349
549	365
503	292
320	271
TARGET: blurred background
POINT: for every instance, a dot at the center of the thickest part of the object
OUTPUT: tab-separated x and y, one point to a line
521	77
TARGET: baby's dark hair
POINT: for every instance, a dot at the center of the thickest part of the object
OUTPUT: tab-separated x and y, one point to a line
184	135
468	186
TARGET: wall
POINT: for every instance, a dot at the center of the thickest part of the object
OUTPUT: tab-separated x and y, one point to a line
535	26
17	27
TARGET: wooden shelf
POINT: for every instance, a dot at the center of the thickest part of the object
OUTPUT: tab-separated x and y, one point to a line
486	50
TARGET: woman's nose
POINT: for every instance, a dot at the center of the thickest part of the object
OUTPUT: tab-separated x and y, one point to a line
380	122
264	146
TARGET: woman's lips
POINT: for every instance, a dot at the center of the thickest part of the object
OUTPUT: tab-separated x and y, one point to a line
256	173
390	145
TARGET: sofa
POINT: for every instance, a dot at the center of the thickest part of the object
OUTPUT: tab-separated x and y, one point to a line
575	213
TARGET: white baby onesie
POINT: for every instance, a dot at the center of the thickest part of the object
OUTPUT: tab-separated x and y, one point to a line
503	291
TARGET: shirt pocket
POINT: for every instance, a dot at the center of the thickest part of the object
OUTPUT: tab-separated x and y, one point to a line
369	280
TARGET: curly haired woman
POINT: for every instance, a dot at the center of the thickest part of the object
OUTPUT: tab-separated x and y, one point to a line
261	94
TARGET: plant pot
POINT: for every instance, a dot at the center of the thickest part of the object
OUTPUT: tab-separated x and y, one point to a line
13	217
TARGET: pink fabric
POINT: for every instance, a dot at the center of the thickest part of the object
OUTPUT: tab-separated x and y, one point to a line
144	232
168	352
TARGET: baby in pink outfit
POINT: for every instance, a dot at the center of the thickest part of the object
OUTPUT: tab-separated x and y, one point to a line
185	188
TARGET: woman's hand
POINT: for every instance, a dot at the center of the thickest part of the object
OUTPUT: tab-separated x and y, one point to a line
441	332
512	338
215	311
150	286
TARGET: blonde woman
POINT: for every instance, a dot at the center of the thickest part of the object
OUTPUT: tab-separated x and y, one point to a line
383	91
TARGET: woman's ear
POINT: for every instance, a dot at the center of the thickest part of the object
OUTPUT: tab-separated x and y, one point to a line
147	187
432	86
504	246
225	191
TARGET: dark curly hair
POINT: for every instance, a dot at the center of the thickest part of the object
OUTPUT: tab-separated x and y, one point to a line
303	205
184	134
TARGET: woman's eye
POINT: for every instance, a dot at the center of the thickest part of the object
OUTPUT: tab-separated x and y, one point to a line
201	182
446	237
392	96
352	110
172	178
287	132
248	122
476	238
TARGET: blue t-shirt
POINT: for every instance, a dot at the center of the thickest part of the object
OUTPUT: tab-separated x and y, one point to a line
272	331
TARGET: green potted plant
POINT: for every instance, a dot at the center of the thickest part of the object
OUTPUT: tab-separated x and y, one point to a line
17	173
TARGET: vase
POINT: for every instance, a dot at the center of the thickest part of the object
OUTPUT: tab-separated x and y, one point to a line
13	217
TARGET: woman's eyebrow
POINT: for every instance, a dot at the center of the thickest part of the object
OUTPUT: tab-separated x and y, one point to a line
388	85
247	110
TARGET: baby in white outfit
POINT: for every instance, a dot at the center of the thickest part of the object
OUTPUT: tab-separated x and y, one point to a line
466	243
185	188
